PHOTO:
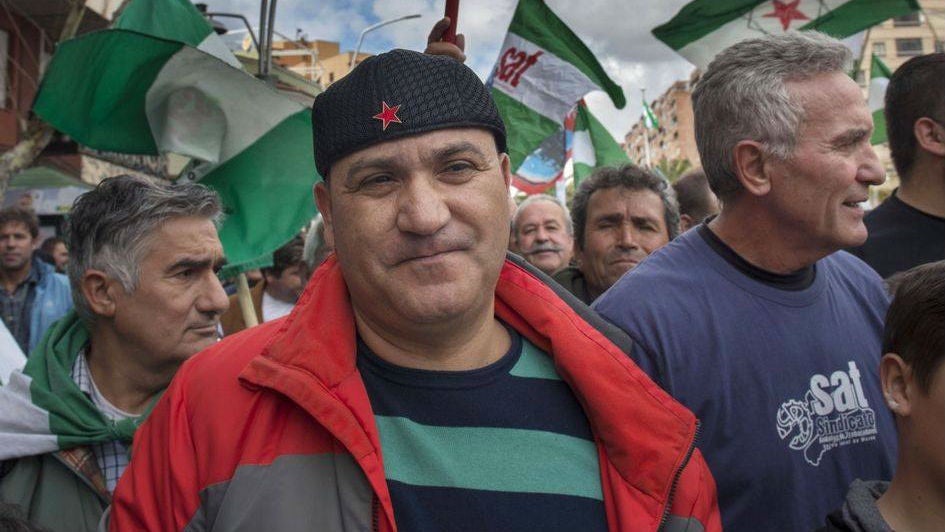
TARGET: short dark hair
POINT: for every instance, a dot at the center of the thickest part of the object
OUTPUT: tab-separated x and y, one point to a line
914	321
288	255
915	90
628	176
50	243
26	217
694	195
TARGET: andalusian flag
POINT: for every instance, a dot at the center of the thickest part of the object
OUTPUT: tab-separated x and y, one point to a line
704	28
42	410
879	79
542	71
161	81
649	119
592	146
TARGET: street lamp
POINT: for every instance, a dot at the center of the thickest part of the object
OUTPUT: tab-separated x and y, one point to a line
373	27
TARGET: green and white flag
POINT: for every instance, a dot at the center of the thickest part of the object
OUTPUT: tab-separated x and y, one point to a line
649	119
592	146
704	28
542	71
879	79
42	410
161	81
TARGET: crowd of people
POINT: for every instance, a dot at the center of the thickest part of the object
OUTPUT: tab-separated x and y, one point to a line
695	356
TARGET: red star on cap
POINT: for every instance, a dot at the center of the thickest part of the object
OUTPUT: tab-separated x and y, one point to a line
388	114
786	12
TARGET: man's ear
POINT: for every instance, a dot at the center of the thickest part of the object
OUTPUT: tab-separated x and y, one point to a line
898	384
100	292
930	135
506	165
751	167
685	222
323	202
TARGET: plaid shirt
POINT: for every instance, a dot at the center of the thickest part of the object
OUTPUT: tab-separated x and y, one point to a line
112	456
15	309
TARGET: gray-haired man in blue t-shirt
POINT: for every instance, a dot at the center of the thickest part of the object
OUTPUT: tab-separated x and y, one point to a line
754	320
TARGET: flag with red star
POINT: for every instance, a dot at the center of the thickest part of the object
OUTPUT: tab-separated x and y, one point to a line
703	28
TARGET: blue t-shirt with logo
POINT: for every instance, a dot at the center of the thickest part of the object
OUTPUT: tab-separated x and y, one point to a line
784	382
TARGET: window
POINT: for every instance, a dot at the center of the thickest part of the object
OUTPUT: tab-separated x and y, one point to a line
879	48
4	79
908	47
939	47
912	19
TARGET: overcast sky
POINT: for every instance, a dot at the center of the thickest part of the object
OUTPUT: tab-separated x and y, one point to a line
618	32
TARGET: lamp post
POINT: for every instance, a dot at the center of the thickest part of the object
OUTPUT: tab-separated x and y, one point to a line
372	27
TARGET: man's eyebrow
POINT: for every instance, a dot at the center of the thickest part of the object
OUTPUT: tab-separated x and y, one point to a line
370	162
614	217
851	136
189	263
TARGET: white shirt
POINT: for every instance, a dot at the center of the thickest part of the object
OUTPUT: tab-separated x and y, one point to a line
272	308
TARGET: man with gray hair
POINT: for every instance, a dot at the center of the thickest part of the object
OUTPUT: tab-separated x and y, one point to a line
317	247
543	233
620	215
755	320
143	275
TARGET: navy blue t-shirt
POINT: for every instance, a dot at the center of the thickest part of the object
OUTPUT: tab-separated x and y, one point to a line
504	447
785	382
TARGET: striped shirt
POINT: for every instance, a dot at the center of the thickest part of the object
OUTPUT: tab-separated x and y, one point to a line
504	447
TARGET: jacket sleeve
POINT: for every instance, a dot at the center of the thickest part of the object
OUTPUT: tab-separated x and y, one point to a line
695	507
159	490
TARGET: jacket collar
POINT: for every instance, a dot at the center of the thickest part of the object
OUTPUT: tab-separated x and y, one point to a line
645	434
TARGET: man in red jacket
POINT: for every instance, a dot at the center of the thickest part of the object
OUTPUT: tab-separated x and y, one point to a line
424	381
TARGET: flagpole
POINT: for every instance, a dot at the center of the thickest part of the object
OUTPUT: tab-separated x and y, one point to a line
928	20
246	301
859	64
646	133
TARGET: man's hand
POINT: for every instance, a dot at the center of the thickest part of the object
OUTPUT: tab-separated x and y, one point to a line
436	46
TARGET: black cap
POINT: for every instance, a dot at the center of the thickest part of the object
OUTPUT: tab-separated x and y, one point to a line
397	94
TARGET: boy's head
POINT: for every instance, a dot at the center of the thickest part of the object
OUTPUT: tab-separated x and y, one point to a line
912	369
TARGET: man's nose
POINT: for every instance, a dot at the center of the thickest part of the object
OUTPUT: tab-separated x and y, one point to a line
212	298
871	171
421	208
627	237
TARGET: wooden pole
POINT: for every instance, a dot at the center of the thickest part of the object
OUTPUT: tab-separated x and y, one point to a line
246	301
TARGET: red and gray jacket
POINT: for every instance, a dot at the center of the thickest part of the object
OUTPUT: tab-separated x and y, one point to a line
272	429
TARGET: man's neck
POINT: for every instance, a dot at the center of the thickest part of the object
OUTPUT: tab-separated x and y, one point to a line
761	241
468	345
10	279
913	501
925	188
118	376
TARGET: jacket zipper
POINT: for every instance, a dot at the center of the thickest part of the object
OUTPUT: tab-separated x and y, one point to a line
672	488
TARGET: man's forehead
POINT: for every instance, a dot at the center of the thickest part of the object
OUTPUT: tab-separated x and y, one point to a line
624	201
14	226
542	211
177	239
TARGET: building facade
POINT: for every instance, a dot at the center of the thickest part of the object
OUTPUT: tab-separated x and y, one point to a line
675	139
